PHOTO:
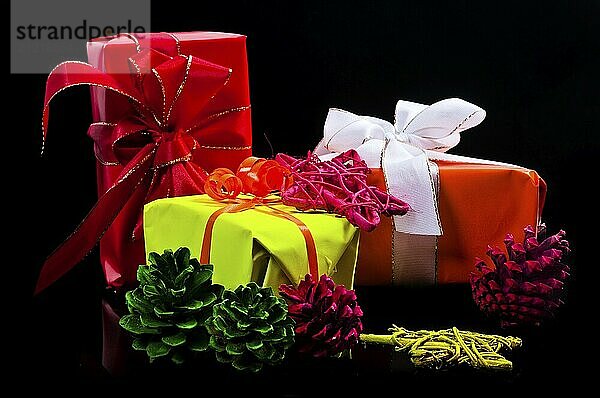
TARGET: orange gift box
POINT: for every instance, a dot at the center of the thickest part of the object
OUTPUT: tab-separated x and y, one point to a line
478	205
459	205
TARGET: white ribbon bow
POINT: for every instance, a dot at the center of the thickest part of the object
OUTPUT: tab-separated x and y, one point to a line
403	151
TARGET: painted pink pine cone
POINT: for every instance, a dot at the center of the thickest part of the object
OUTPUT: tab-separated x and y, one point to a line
338	186
526	287
327	316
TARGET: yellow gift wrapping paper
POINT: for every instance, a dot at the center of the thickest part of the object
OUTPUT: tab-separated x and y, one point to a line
251	245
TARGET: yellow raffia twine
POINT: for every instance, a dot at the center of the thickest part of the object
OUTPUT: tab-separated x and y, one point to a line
450	347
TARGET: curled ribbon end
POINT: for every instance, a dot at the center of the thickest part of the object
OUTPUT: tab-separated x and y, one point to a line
222	184
42	283
38	289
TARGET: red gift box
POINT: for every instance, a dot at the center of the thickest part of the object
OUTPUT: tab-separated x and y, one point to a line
167	109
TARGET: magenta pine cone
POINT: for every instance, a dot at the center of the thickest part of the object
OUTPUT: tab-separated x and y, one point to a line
327	316
526	287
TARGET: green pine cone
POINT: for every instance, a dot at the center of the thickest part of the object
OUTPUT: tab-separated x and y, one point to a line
250	327
169	309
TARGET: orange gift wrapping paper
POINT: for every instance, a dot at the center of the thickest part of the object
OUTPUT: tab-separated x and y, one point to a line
478	205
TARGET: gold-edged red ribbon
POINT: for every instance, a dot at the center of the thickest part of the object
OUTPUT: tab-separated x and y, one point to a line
259	178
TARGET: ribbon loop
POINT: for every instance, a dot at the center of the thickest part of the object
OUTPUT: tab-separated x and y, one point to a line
260	176
402	151
430	125
222	184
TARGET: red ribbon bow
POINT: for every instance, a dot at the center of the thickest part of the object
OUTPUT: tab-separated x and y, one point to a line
156	145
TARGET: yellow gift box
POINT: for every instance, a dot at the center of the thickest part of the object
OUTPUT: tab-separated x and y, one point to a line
254	244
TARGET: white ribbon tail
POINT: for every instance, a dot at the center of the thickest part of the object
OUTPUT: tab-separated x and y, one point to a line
408	177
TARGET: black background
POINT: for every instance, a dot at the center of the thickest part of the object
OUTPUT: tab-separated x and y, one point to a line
532	65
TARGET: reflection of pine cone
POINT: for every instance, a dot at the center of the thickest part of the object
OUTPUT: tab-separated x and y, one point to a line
327	316
250	327
526	287
169	308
